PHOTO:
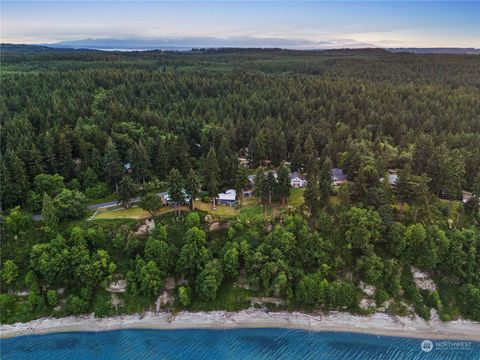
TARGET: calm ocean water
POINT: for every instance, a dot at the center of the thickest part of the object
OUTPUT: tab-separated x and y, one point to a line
229	344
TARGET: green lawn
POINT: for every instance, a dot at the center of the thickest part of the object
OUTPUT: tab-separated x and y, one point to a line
252	212
220	211
296	196
132	213
249	210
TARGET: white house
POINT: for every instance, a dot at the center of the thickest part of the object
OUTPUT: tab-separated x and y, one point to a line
337	176
229	197
297	180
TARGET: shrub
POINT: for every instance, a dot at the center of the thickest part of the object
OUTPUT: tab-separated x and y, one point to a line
98	191
52	298
381	296
184	295
7	306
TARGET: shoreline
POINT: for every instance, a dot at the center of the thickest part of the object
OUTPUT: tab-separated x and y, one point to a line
376	324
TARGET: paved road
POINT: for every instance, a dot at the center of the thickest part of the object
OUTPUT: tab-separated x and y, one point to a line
38	217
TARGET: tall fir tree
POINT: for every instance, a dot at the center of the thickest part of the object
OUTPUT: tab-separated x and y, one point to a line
325	182
64	156
211	174
48	146
192	187
127	189
183	156
311	157
35	162
241	182
253	158
270	186
283	183
312	191
296	160
112	165
224	154
7	199
140	162
176	188
160	162
18	178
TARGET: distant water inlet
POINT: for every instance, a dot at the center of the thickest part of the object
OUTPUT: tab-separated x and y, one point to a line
231	344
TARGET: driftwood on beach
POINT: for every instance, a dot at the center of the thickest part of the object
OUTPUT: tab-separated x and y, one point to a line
378	323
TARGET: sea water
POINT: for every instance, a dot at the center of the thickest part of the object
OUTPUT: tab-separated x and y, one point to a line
241	344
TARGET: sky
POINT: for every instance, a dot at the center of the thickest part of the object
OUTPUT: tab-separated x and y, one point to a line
309	24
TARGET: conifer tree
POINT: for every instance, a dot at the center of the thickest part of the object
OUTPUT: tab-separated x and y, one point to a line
241	181
48	147
64	157
7	198
50	216
18	178
192	187
283	183
35	162
140	162
160	162
296	161
253	158
311	156
312	191
127	189
211	174
270	186
176	188
325	182
112	165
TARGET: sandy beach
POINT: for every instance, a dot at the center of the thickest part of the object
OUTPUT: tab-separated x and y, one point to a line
378	323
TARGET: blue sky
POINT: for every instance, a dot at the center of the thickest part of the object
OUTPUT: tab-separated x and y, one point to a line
319	23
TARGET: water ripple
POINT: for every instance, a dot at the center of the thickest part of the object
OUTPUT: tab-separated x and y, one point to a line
245	344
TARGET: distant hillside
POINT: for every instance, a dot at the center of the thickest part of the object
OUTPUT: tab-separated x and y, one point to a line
437	50
212	44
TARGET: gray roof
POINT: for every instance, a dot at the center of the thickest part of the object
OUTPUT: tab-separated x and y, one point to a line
338	175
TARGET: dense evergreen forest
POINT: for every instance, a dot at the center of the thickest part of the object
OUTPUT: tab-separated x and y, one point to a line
80	127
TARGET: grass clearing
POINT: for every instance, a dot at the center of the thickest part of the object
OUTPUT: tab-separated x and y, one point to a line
252	212
132	213
334	200
296	196
221	210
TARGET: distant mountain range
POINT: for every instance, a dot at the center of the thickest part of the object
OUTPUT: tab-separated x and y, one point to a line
189	43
